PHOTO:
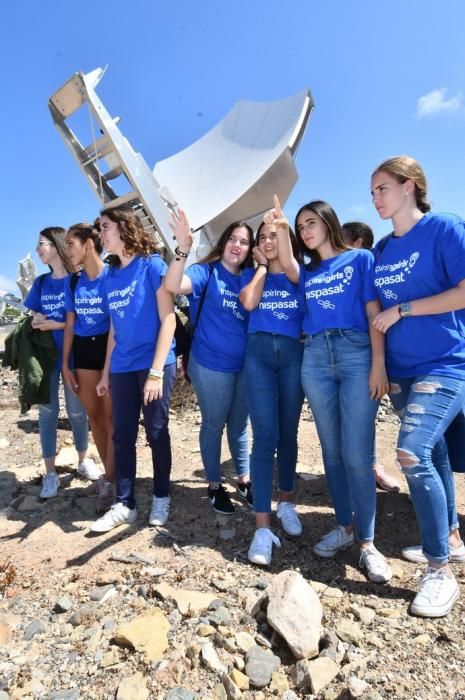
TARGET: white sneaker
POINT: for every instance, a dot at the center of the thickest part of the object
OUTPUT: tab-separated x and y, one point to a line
262	545
438	592
335	541
378	570
50	485
289	519
89	470
160	511
415	553
119	514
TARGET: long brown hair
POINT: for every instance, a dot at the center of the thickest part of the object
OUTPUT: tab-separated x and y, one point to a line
136	240
217	252
329	217
294	244
403	168
56	235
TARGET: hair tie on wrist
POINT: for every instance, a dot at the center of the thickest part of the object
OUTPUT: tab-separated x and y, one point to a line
179	254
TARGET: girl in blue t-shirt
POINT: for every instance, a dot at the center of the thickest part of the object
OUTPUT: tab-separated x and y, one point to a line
343	373
420	278
218	349
275	397
85	340
46	300
140	365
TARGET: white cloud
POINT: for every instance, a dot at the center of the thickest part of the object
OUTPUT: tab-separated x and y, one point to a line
8	285
436	102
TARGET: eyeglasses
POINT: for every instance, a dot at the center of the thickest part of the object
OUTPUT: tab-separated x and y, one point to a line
41	243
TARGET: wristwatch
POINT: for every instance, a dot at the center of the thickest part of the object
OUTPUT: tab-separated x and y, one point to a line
405	309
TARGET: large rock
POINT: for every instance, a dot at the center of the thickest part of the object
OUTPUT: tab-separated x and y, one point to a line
188	602
294	611
146	633
133	688
259	666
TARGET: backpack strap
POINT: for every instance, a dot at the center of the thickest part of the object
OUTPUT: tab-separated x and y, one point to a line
202	298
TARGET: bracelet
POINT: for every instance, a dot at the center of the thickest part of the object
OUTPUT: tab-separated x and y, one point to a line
155	373
179	254
262	265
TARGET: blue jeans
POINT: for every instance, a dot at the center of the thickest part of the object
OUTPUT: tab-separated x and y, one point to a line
455	440
222	401
48	418
426	406
335	374
272	368
127	398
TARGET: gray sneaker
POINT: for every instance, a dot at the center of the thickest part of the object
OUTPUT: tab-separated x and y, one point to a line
50	485
334	542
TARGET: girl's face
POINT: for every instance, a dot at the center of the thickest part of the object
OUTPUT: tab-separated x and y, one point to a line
46	251
268	241
109	235
237	247
76	250
311	229
389	196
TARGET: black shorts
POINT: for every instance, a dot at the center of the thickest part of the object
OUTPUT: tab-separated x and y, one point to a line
89	351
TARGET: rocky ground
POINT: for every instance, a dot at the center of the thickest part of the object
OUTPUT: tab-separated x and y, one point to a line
177	613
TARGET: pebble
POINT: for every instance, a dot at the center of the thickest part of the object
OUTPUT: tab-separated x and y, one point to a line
179	694
33	628
63	604
259	665
100	594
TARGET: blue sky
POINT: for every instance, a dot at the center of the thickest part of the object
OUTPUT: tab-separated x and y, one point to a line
386	78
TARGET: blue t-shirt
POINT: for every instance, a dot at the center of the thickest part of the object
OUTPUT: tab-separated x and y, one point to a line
280	310
221	333
337	291
131	294
89	303
427	260
47	296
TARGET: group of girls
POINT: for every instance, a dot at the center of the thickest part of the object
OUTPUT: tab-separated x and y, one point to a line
250	302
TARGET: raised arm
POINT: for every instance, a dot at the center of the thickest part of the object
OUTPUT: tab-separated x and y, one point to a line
286	257
252	293
176	281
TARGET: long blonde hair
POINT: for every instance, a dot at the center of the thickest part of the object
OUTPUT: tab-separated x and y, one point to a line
403	168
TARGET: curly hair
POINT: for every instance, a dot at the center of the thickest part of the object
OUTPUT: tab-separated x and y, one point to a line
136	240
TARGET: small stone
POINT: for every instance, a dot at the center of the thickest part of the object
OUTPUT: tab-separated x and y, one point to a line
259	665
188	602
63	604
226	535
219	692
357	686
33	628
29	503
349	632
321	672
68	694
389	612
244	641
179	694
84	615
279	683
147	633
221	616
110	658
4	443
5	634
205	630
132	688
365	615
232	690
100	594
211	659
253	601
240	679
153	571
422	639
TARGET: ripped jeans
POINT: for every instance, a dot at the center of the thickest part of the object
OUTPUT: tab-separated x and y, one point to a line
427	405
